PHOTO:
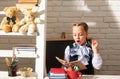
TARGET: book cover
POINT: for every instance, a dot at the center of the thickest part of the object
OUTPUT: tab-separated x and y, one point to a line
57	77
73	63
57	73
57	70
24	49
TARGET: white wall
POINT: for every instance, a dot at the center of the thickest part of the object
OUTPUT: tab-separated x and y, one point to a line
103	18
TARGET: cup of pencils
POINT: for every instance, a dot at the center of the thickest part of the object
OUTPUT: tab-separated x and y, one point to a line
12	67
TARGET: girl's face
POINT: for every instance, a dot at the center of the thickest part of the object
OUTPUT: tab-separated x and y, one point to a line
79	35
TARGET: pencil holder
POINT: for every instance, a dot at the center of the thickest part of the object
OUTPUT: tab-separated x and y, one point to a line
12	70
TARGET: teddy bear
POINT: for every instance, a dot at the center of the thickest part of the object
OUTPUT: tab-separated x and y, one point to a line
8	23
28	22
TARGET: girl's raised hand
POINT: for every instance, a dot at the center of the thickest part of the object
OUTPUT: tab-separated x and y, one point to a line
95	46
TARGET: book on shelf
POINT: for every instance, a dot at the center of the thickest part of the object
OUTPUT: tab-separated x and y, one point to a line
24	49
73	63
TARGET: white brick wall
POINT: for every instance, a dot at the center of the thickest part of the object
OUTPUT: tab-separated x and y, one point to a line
103	18
7	42
6	3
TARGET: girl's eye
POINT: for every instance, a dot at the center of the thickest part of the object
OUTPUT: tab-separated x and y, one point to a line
80	34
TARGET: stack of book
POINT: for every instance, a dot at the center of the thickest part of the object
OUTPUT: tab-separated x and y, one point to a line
24	50
57	73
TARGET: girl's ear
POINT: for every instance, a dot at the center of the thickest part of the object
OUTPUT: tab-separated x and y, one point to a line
87	33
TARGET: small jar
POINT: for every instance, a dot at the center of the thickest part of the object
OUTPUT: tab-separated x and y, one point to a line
63	35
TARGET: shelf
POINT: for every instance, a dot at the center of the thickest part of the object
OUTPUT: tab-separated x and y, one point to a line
4	75
2	13
13	33
8	53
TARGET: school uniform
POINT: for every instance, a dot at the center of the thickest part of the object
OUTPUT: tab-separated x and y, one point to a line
85	54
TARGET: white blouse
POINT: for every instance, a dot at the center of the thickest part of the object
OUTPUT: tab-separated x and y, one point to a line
83	55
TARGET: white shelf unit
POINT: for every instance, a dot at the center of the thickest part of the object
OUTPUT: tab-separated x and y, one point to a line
40	45
3	75
39	55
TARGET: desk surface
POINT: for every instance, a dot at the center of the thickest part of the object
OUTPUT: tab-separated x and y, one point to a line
4	75
101	77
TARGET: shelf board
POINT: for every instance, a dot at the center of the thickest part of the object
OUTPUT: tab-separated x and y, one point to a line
13	33
4	75
2	13
8	53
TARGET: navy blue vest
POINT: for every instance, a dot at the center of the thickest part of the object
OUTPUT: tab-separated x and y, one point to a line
90	69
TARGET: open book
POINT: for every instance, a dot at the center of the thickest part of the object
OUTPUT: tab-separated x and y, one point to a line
73	63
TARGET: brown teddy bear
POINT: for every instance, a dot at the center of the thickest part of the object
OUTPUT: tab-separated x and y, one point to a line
28	23
8	24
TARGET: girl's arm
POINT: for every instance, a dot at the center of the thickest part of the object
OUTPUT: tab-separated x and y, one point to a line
97	59
66	54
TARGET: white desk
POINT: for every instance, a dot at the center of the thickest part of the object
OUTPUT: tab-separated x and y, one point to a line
101	77
4	75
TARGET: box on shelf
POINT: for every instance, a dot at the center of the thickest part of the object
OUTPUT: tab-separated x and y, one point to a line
27	1
25	5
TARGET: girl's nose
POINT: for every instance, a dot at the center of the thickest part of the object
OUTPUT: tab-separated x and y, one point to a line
77	36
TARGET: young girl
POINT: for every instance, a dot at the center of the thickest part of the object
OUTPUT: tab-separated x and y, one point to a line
83	49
